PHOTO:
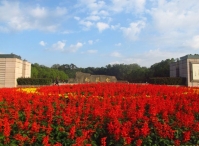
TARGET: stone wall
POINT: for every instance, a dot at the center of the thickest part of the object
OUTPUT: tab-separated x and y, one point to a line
88	78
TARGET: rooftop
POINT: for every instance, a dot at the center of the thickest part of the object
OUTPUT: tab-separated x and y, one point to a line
190	56
9	56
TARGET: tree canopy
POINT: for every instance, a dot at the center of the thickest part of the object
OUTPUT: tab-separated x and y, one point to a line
125	72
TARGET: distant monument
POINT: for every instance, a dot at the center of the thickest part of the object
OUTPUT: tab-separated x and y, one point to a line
188	67
88	78
11	68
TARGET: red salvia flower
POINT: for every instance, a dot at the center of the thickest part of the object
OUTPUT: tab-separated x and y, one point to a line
45	141
145	130
7	127
186	136
72	132
139	142
103	141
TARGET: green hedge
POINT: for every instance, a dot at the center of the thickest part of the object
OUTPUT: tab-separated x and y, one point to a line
168	80
34	81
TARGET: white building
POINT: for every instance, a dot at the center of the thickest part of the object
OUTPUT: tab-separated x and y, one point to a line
188	67
11	68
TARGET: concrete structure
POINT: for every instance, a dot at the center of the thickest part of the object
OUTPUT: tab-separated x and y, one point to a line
88	78
188	67
11	68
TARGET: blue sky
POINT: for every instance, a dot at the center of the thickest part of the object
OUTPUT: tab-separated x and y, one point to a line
95	33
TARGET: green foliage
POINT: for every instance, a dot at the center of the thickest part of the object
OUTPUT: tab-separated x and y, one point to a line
138	75
133	73
40	71
168	81
34	81
161	69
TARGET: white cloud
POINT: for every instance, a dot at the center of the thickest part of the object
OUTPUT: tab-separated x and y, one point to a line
92	51
90	42
115	62
193	43
3	29
133	30
39	12
93	18
114	27
67	32
115	54
13	8
25	17
59	46
77	18
60	11
128	5
87	24
102	26
42	43
103	13
151	57
75	48
93	5
118	44
176	15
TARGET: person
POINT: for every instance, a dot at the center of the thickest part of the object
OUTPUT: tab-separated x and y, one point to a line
57	81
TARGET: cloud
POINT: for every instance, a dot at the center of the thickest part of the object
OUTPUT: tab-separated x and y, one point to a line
114	27
93	18
42	43
132	32
87	24
151	57
59	46
103	13
39	12
115	62
77	18
90	42
59	11
102	26
93	5
193	43
128	5
118	44
75	48
181	16
115	54
92	51
67	32
4	29
25	17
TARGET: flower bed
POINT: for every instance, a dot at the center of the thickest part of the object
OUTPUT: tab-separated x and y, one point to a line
99	114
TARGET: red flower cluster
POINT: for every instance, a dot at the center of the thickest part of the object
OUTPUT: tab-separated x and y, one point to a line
100	114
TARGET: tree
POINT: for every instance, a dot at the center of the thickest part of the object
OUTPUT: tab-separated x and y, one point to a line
161	69
41	71
138	75
55	66
34	72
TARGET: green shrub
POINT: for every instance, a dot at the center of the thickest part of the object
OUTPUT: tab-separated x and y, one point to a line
34	81
168	81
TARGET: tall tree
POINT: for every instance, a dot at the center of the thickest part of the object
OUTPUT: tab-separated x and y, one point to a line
161	69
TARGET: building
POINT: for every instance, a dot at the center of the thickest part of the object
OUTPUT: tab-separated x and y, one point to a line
11	68
188	67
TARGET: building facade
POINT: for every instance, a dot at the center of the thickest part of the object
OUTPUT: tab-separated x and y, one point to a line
11	68
188	67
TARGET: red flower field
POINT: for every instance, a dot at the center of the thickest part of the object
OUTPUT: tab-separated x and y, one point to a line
101	114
